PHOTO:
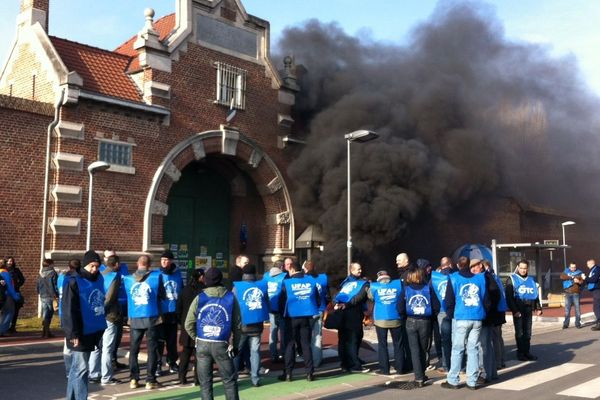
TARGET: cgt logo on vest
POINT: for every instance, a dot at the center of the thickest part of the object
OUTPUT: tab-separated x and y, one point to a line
140	293
469	294
525	290
213	320
171	290
442	289
96	301
301	290
253	298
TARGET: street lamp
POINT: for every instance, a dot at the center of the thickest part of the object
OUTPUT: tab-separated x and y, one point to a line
566	223
93	167
359	136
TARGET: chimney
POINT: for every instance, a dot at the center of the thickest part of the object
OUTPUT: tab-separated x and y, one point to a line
33	11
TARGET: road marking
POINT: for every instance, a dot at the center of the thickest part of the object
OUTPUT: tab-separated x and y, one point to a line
589	389
511	366
536	378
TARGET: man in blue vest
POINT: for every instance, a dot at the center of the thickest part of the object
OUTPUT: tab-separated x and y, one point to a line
352	301
385	294
494	316
123	270
172	283
466	302
144	291
212	321
83	321
299	301
572	278
523	301
593	285
74	266
252	298
439	281
101	361
316	344
274	279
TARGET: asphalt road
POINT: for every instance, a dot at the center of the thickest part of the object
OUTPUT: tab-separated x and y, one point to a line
567	366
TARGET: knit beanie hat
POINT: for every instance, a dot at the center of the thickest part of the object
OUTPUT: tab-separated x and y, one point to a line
90	256
167	254
249	269
213	277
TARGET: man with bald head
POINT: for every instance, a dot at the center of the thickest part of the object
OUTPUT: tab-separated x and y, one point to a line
402	265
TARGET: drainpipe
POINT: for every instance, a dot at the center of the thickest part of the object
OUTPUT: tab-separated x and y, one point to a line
47	175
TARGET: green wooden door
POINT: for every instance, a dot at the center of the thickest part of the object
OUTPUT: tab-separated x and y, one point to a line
198	219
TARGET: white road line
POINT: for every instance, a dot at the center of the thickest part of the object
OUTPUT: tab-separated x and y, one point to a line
511	366
536	378
589	390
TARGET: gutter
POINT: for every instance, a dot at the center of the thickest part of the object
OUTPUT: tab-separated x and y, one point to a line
47	175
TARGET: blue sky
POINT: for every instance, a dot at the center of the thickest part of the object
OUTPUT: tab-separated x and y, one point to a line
566	27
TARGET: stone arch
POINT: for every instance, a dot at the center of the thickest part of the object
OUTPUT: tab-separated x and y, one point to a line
261	169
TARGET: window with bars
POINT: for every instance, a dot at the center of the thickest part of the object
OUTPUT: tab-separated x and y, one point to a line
231	85
115	153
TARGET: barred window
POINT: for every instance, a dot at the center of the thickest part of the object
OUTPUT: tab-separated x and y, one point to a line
231	85
115	153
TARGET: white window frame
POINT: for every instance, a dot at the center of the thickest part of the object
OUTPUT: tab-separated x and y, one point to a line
114	167
231	86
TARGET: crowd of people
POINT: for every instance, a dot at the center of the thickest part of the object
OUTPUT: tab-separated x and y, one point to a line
458	307
11	299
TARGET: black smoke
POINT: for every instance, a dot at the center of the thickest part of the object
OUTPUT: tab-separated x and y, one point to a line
461	110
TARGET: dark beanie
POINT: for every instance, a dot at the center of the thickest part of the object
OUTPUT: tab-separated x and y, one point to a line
249	269
167	254
90	256
213	277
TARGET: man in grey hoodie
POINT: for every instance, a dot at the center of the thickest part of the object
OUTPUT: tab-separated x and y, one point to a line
48	291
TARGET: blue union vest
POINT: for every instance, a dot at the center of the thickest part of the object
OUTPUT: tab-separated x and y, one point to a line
274	285
301	301
173	283
252	298
385	298
525	289
439	282
60	284
568	283
502	306
123	270
323	288
213	318
350	288
142	297
594	271
418	302
469	293
91	299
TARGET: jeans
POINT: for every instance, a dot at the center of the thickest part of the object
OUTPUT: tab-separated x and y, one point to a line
67	355
109	341
572	299
253	343
382	348
6	314
136	340
419	341
347	345
489	355
184	362
276	334
316	343
596	296
94	363
523	331
77	381
498	342
208	353
465	332
445	325
47	310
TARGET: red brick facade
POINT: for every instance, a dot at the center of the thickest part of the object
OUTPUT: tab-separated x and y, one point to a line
169	129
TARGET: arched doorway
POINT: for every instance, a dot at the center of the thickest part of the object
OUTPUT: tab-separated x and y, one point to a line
198	221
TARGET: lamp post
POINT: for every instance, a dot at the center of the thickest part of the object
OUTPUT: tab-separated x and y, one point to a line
566	223
92	168
359	136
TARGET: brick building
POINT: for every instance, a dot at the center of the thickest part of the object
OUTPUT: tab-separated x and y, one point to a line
180	173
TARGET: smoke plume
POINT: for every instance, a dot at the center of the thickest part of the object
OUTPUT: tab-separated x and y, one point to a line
460	110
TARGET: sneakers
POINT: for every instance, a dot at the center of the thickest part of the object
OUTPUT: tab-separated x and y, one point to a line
263	371
361	370
111	382
152	385
173	368
133	384
94	380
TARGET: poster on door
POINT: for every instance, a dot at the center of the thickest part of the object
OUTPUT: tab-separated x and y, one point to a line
203	262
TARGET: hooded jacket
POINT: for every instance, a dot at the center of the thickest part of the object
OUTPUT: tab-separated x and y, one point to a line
141	275
47	284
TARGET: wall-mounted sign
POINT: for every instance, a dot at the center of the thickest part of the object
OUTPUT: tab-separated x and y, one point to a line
203	261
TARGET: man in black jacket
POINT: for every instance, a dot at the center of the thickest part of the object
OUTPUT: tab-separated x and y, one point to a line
83	322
